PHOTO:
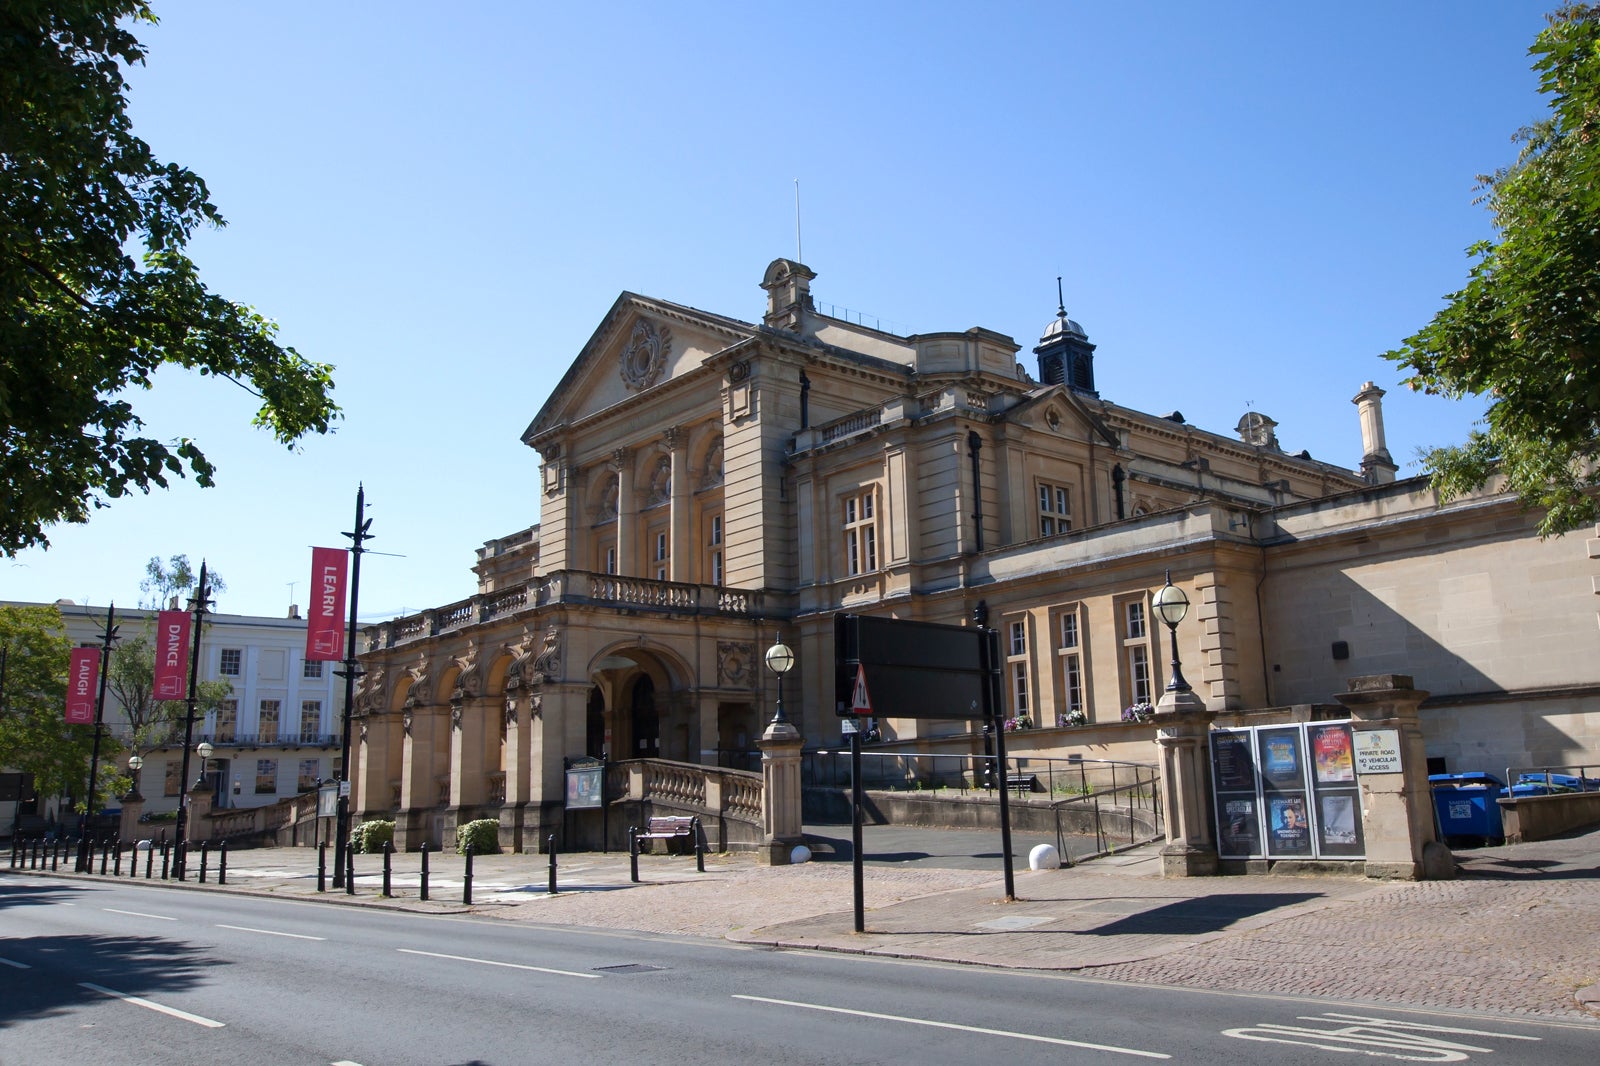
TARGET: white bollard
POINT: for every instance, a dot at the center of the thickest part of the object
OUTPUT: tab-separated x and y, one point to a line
1044	857
801	853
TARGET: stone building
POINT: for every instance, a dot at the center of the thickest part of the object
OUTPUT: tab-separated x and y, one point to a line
709	485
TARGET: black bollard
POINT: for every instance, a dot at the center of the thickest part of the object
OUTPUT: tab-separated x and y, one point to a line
205	856
350	868
552	864
55	857
322	866
149	859
38	842
166	860
105	855
388	851
466	881
699	846
222	863
424	870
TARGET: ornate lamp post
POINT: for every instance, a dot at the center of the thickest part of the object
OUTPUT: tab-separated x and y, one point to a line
780	659
1171	605
204	750
135	763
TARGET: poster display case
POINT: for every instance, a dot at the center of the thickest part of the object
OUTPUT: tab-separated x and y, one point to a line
1286	792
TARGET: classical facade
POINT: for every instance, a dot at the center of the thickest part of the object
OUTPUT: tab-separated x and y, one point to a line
708	485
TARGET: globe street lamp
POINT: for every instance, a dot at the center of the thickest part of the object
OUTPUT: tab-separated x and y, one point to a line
1171	605
780	658
135	763
204	750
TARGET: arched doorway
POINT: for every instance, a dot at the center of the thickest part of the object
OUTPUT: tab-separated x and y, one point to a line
646	724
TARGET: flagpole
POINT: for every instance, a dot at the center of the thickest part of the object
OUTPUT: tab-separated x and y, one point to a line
342	822
84	861
198	605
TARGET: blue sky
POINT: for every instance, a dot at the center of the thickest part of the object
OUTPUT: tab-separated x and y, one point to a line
1248	204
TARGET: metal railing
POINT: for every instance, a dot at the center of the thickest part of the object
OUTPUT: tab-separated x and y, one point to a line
1556	779
1122	815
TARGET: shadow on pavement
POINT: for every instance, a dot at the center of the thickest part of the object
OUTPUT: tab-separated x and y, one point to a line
58	965
1208	914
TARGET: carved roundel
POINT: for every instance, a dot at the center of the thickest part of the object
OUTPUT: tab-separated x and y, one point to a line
645	357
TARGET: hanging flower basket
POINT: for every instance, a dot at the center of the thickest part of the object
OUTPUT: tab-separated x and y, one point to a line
1139	712
1073	717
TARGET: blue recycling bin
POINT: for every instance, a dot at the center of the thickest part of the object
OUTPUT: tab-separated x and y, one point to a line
1466	807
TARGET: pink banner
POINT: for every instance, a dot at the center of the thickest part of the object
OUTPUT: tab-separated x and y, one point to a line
172	655
325	621
82	675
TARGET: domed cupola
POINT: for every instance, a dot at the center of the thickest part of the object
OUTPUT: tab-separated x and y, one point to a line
1065	355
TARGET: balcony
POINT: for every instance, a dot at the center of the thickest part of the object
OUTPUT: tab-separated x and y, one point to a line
571	587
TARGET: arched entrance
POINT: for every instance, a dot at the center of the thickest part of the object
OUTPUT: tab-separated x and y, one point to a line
595	725
642	714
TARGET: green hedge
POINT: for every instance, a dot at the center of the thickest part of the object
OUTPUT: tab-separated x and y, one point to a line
370	837
483	836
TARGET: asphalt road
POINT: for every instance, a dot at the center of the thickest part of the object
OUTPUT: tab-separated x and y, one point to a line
123	972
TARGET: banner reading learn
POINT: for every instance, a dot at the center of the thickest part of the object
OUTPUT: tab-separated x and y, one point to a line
83	672
325	629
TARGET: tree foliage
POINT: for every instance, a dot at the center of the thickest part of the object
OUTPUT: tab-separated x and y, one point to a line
175	577
1524	330
86	324
34	735
131	683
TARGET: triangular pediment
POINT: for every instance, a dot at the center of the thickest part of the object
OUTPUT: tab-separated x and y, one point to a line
641	345
1057	409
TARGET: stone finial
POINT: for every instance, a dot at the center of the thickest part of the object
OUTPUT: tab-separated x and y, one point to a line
788	286
1377	466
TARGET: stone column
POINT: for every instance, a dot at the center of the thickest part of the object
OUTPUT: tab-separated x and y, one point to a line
198	828
627	514
780	792
373	792
685	551
518	735
417	789
1182	728
132	809
1396	806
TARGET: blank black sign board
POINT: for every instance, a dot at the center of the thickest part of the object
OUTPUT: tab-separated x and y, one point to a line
912	669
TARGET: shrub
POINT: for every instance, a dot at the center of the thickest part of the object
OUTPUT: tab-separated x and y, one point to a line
370	837
483	836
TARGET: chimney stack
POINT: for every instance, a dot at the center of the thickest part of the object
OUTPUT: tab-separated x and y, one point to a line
1376	465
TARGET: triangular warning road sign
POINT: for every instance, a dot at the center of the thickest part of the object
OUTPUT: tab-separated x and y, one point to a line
860	702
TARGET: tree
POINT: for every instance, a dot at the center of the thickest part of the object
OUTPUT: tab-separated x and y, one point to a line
163	581
131	682
85	324
1525	331
34	735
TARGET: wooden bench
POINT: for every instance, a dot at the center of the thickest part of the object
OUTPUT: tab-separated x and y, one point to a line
1023	782
670	828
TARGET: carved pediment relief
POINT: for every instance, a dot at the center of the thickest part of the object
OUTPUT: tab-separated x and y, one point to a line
644	356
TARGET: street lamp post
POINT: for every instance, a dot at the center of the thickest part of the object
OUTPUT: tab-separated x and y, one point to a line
1171	605
135	763
204	750
780	659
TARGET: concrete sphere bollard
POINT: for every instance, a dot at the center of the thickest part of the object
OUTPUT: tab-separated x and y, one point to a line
1044	857
801	853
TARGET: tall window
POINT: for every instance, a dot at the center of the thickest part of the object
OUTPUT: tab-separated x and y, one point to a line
306	779
312	668
714	549
609	559
268	728
1137	681
1017	666
1055	510
173	782
1069	653
310	720
861	533
266	776
231	658
227	721
661	555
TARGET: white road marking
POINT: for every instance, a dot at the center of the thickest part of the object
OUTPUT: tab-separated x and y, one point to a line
15	965
1379	1037
269	932
345	1062
507	965
159	1008
1034	1037
139	914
